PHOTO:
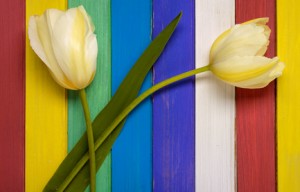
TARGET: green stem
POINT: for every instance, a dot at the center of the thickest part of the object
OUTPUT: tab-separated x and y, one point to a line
124	113
90	137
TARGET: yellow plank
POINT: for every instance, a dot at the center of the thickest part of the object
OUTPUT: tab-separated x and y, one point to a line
46	112
288	100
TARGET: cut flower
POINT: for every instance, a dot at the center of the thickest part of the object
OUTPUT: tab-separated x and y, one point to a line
66	43
236	56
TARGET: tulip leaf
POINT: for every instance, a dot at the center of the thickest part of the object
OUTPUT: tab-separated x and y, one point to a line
125	94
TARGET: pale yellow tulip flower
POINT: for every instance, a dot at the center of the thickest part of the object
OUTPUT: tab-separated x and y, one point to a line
236	56
66	43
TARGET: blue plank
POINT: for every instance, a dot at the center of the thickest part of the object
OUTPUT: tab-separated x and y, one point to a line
173	107
132	152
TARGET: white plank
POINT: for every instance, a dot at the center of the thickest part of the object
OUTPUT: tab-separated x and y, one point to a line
215	104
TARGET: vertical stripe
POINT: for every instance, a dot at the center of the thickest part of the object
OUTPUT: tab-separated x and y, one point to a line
46	115
12	95
215	109
98	93
288	102
131	154
173	107
255	115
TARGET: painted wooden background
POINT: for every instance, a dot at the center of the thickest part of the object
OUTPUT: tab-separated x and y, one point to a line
255	115
12	95
134	145
215	133
99	92
46	112
288	94
173	108
197	135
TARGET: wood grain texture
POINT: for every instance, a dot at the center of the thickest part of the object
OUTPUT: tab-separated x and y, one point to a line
215	108
99	92
288	102
255	115
131	153
12	95
173	107
46	112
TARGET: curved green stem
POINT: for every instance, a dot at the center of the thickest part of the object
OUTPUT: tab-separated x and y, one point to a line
90	137
143	96
125	112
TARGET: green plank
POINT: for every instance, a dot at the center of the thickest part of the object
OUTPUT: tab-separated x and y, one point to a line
99	92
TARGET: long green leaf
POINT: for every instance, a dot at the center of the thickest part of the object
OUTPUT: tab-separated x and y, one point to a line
125	94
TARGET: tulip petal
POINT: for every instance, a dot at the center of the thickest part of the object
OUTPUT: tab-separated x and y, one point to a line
35	40
45	39
69	34
263	80
40	35
257	21
52	16
241	40
88	19
237	69
91	53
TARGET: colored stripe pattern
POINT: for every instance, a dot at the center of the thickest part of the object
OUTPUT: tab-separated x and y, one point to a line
46	112
288	102
131	154
12	95
255	115
215	109
98	93
173	107
192	146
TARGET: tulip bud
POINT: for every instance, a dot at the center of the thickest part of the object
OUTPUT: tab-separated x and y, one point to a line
236	56
66	43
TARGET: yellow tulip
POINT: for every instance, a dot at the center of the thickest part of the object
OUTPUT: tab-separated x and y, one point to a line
236	56
66	43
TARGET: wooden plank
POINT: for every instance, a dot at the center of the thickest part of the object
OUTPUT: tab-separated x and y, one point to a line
288	103
12	95
215	109
173	107
255	115
46	112
131	154
99	92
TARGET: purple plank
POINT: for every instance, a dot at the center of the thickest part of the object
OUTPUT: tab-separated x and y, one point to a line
173	107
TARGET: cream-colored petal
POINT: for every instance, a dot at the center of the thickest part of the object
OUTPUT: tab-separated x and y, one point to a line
262	80
258	21
88	19
52	16
237	69
62	31
241	40
91	45
91	52
218	43
63	82
35	40
45	36
69	41
39	29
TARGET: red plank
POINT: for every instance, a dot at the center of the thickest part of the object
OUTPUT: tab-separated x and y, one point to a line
255	115
12	91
